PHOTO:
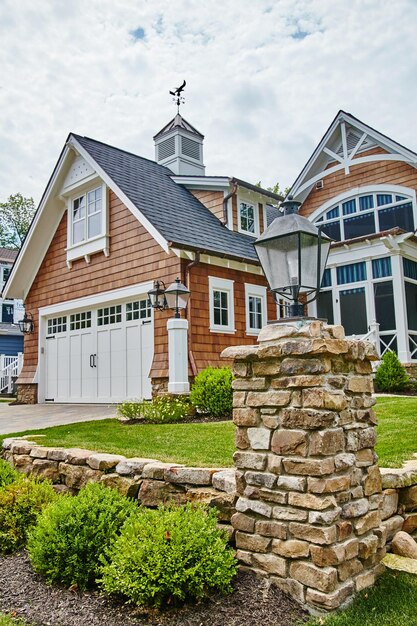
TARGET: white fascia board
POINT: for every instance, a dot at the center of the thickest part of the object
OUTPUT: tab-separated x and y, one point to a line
17	285
218	183
367	249
209	259
121	195
115	295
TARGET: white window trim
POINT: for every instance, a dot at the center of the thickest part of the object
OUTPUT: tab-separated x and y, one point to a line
259	292
256	216
99	243
222	284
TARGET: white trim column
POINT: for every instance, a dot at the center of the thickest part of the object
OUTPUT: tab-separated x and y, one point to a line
178	355
400	307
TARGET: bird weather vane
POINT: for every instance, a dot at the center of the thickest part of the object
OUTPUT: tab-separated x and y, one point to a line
177	96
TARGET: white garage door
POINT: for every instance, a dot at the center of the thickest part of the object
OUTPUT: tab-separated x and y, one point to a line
100	355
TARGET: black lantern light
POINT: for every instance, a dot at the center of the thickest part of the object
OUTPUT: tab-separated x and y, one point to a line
177	296
27	325
293	253
157	296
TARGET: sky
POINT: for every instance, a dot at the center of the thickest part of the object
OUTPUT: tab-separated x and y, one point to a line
265	78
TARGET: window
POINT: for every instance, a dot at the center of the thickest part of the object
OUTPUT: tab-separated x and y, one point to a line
138	310
7	313
248	216
109	315
381	267
365	214
86	216
353	273
256	308
221	305
384	305
57	325
80	320
353	311
4	273
325	306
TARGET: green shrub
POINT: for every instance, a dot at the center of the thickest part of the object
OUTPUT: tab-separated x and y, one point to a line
66	544
162	410
212	392
169	555
391	375
21	503
8	474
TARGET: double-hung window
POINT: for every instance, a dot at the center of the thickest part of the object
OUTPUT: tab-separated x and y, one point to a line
221	302
256	312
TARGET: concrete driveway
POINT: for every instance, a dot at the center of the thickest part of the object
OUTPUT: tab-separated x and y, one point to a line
18	418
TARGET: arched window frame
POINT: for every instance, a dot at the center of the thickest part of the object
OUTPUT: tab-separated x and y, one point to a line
356	192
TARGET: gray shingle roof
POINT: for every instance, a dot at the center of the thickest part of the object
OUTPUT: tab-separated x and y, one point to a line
272	212
171	208
8	254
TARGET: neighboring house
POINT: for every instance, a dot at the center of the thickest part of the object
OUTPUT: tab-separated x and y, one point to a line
109	224
361	187
11	311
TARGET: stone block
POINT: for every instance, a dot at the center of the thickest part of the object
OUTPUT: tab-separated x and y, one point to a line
328	485
239	399
246	417
288	442
292	366
225	480
359	384
244	505
241	369
309	467
320	398
289	514
270	421
367	522
19	446
23	463
270	563
259	438
361	438
310	501
128	487
156	470
392	526
273	332
298	382
365	457
344	461
189	475
373	482
261	479
48	470
367	579
321	536
77	476
244	557
408	498
241	438
321	578
291	587
349	569
77	456
355	508
323	556
324	517
133	466
291	549
330	601
39	452
368	545
410	523
243	522
327	442
152	493
344	529
252	543
292	483
306	418
103	461
272	496
268	398
275	464
57	454
267	368
247	384
404	545
250	460
277	530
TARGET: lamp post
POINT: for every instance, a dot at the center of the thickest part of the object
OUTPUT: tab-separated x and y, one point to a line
177	296
27	325
293	254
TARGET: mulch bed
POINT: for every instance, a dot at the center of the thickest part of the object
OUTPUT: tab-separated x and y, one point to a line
193	419
23	593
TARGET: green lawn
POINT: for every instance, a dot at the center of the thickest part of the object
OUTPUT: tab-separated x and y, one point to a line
391	602
213	445
5	620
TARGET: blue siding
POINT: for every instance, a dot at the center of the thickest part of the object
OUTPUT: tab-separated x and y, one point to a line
10	345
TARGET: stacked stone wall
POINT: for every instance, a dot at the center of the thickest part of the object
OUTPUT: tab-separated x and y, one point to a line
308	513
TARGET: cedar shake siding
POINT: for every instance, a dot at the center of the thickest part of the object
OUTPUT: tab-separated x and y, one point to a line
213	200
135	257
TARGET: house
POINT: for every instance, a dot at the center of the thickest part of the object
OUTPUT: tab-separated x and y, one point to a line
360	186
11	311
109	224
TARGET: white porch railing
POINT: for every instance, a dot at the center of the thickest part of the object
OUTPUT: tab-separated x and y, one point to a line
10	368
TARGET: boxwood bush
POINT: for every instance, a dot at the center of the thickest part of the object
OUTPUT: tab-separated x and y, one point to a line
21	503
391	375
66	544
8	474
169	555
212	391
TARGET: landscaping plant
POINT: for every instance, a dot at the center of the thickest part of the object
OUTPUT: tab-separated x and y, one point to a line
8	474
212	391
169	555
71	535
21	503
162	410
391	375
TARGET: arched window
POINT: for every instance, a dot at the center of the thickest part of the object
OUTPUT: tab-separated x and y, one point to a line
367	213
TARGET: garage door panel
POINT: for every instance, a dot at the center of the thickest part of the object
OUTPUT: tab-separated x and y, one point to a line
146	356
133	362
75	366
62	368
88	375
51	368
117	363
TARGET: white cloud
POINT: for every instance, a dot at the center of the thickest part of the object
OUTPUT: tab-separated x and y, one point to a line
264	78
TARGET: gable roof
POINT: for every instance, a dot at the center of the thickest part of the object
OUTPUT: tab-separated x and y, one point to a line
8	254
342	144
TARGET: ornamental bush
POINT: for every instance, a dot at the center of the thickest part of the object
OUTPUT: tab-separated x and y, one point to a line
66	544
212	391
8	474
21	503
162	410
169	555
391	375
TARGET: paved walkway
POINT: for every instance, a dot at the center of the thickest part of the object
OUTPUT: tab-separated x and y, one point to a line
14	419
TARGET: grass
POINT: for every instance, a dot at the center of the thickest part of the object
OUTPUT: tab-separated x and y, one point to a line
211	444
206	444
391	602
6	620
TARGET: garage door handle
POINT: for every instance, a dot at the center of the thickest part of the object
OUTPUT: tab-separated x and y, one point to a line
95	360
91	360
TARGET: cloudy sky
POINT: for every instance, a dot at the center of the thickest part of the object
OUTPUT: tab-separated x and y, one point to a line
264	78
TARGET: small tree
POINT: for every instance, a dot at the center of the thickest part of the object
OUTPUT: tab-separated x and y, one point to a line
391	375
15	217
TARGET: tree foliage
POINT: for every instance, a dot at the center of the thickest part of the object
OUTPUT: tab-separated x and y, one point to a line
15	217
276	189
391	375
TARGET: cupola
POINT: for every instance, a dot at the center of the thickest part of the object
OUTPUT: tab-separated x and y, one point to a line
179	146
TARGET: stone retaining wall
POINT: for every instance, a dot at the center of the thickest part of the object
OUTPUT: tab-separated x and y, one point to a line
150	481
399	505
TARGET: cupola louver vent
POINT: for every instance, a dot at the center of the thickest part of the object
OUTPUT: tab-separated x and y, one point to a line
190	148
166	148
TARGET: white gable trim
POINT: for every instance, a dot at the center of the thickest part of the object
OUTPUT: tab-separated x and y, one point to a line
121	195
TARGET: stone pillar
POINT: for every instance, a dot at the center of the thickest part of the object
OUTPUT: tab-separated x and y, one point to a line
308	484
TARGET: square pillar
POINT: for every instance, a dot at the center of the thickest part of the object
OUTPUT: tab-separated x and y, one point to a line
178	355
308	484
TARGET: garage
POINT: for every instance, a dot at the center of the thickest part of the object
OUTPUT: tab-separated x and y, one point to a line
99	354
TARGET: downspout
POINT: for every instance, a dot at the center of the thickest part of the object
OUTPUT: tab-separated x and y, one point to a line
226	200
188	312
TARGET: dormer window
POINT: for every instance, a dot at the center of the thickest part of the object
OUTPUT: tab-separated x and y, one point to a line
248	219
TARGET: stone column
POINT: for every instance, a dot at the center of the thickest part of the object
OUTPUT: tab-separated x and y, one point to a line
308	484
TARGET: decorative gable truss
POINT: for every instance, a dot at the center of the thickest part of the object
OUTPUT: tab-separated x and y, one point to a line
342	147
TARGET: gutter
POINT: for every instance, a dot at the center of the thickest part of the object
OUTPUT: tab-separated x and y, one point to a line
188	312
226	199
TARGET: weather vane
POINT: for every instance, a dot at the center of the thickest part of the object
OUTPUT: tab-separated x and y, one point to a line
178	98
